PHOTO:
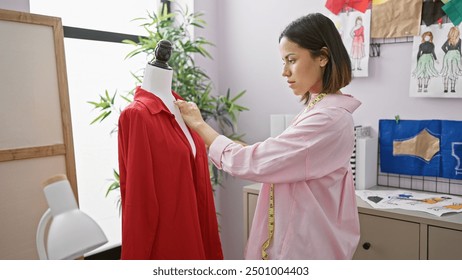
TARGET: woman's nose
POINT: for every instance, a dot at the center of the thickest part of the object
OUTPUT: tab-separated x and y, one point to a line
285	72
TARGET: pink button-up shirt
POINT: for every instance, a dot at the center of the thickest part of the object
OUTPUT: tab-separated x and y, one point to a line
316	215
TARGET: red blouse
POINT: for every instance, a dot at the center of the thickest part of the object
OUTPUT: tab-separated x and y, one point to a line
168	210
336	6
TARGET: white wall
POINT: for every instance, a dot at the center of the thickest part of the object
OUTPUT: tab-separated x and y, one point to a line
211	33
248	58
15	5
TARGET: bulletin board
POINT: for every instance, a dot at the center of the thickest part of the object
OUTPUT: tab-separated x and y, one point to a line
35	125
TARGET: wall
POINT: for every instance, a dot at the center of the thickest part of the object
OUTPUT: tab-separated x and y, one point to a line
248	58
15	5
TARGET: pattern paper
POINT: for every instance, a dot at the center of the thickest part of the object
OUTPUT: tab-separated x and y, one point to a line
436	204
421	147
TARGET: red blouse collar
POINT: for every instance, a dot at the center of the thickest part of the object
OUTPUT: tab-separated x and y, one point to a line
151	101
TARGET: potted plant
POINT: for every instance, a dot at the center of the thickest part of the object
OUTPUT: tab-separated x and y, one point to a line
189	80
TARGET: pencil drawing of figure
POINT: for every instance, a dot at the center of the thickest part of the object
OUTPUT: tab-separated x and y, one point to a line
452	67
425	62
357	47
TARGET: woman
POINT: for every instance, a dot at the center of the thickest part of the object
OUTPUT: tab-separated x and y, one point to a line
357	47
426	58
452	66
305	171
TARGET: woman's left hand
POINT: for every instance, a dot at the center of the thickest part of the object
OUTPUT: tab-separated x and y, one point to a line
190	113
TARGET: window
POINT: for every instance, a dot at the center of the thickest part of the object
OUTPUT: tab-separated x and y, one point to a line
107	15
93	67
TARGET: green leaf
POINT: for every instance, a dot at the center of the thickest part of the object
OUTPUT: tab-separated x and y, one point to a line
238	96
113	98
126	99
97	118
130	42
112	187
106	114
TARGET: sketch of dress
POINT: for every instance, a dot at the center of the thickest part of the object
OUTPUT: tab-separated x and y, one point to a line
452	67
357	48
425	62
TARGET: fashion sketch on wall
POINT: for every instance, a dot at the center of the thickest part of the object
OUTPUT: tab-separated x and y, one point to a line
354	28
436	66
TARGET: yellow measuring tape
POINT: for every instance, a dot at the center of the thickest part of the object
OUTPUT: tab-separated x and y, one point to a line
316	100
265	246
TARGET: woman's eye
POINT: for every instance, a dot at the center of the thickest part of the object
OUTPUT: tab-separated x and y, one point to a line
291	61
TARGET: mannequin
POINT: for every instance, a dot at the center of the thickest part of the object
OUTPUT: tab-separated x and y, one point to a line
168	209
158	81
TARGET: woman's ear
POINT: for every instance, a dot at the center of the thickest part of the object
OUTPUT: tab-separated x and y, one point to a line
324	57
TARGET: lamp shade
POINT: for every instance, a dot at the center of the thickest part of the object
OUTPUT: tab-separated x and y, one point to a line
72	233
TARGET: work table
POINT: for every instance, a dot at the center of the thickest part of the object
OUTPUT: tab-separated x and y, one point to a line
392	233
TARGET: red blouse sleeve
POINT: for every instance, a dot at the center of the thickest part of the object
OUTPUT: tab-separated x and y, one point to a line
138	196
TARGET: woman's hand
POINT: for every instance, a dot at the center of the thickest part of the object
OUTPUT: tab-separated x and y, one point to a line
190	113
193	118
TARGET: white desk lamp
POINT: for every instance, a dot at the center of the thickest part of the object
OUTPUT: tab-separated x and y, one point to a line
72	233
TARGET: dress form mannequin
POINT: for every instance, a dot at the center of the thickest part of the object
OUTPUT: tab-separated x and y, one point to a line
168	209
158	81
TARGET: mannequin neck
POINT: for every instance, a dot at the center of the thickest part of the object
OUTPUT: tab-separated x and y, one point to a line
158	81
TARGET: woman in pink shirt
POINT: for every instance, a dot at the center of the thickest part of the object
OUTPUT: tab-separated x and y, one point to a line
307	205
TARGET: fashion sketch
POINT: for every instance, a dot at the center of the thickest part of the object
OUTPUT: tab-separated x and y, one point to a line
354	28
357	47
452	66
437	46
426	58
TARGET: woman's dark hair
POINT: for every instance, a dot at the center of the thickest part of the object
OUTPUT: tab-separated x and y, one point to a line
318	34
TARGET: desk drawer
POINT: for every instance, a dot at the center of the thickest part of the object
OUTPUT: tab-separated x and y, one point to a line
387	239
444	244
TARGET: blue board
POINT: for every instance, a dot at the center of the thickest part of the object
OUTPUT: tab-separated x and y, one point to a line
443	136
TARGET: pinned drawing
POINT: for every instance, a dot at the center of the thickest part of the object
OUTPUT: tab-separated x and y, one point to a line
452	66
354	28
425	69
357	51
437	62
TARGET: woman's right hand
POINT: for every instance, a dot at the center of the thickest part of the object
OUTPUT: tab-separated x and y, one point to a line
193	118
191	114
